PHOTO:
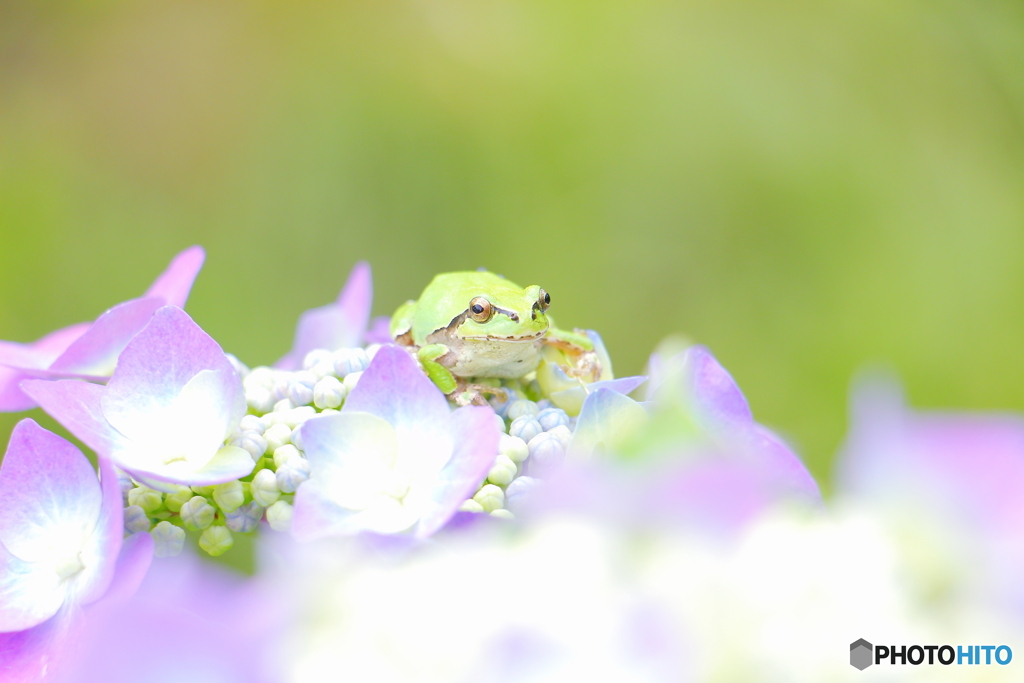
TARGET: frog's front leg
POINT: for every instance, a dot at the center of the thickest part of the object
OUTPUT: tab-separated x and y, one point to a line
578	348
438	374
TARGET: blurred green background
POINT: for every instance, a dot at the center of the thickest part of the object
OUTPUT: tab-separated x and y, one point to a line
805	187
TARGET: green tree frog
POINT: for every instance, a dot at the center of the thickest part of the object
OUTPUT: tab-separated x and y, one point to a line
478	325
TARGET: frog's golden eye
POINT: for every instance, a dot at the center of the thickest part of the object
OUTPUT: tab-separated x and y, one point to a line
480	309
544	300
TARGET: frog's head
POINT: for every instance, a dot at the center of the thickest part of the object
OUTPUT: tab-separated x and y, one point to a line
508	314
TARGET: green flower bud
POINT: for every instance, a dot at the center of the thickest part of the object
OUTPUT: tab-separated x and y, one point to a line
229	496
471	506
279	516
490	497
502	513
146	498
181	495
216	540
197	514
264	488
503	471
168	540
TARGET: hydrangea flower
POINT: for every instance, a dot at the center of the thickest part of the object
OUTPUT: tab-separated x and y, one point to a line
165	414
90	351
395	458
338	325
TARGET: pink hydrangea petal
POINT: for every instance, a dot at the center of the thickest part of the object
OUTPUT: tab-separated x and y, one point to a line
339	325
101	555
49	496
95	353
174	284
77	406
475	436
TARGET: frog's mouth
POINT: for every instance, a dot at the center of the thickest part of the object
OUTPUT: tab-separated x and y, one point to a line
493	337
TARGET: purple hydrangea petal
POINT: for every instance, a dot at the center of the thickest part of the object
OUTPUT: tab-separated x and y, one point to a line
77	406
395	389
131	567
380	330
607	418
572	400
101	554
38	355
475	435
26	656
716	399
174	284
339	325
30	592
95	353
49	496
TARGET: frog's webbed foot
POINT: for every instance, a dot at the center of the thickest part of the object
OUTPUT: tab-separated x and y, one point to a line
473	394
438	374
577	348
587	367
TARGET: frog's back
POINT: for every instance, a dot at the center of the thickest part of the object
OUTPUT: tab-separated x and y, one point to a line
448	296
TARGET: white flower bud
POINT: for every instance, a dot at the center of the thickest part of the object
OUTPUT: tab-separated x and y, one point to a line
229	496
503	471
259	399
351	380
264	488
471	506
328	393
292	473
216	540
514	448
252	423
146	498
168	540
297	438
279	516
502	513
563	434
284	454
241	368
329	411
253	443
300	389
525	427
551	418
284	404
245	518
490	497
347	361
197	514
261	376
315	357
295	417
135	519
546	451
277	436
125	483
181	495
521	490
521	407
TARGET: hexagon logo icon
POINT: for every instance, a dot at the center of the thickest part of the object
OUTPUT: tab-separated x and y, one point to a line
860	654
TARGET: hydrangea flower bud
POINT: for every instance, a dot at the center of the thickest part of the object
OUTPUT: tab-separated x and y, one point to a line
348	361
229	496
292	473
284	404
500	421
259	389
520	491
546	452
502	514
146	498
252	423
551	418
297	437
315	357
329	392
294	417
135	519
245	518
471	506
264	488
197	514
490	497
279	516
253	443
525	427
125	483
284	454
168	540
563	434
181	495
329	411
300	389
281	382
514	448
216	540
277	436
351	380
503	472
521	407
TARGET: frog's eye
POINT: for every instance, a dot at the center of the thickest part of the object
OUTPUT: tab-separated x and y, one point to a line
544	300
480	309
